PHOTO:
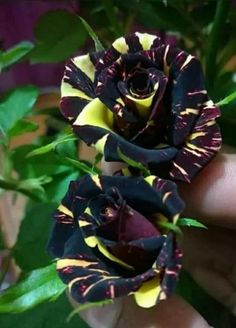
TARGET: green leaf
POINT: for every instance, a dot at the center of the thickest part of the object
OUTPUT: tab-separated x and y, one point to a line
16	106
46	315
39	286
14	54
29	187
57	188
132	163
169	226
52	146
21	127
93	35
189	222
33	167
227	100
33	236
59	34
82	166
34	186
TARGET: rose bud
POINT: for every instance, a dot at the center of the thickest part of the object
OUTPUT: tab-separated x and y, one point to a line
109	241
147	99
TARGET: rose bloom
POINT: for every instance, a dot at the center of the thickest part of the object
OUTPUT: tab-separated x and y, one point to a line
108	241
146	98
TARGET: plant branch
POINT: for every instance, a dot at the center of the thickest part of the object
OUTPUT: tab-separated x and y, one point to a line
13	185
215	39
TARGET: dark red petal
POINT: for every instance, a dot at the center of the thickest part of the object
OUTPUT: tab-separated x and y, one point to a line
129	225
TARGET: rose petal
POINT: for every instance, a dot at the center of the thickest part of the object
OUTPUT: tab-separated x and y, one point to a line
131	44
187	92
77	87
170	259
147	295
201	146
89	278
107	143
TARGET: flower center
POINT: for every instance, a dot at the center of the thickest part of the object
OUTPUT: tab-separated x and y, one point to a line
139	83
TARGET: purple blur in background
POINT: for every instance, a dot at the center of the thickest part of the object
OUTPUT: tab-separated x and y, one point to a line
17	20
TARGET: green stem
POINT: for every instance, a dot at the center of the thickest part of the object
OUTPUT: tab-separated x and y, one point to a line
13	185
111	15
215	40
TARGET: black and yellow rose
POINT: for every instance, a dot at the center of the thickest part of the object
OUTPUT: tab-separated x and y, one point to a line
147	99
109	242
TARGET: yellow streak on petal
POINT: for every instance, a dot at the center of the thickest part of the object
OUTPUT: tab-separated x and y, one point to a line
93	241
120	101
166	195
208	103
63	263
193	152
191	146
166	68
95	114
87	290
190	111
150	179
175	218
196	135
147	294
146	40
120	45
180	169
65	210
96	180
68	91
210	123
142	105
100	144
188	59
88	211
83	223
85	64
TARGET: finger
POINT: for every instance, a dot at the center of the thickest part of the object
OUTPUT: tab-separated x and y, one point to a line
211	195
174	312
111	167
210	259
105	316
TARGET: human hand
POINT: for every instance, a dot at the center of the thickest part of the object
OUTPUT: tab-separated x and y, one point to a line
209	255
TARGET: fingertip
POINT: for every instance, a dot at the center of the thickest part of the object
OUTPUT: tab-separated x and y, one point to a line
211	197
109	168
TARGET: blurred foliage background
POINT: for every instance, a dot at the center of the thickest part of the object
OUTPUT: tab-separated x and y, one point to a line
38	153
